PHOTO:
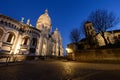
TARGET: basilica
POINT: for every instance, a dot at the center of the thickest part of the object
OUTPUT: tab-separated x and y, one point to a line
16	37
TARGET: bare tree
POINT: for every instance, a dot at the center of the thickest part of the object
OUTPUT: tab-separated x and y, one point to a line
102	20
75	35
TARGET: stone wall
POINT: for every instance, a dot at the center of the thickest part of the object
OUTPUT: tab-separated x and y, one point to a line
96	55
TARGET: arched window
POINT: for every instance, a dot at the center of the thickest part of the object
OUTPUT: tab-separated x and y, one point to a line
118	36
10	38
25	40
34	42
1	33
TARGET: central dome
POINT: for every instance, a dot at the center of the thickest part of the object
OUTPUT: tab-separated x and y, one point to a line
44	21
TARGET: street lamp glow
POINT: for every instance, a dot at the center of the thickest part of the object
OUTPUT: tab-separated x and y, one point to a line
69	50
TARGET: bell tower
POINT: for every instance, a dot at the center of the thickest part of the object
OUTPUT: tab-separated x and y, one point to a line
90	34
89	29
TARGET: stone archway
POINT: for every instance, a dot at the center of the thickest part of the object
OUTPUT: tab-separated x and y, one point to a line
10	37
33	46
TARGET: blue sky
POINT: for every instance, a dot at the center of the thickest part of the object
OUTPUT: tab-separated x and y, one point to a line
65	14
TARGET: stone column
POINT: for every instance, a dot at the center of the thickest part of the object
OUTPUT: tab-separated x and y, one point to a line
17	43
40	47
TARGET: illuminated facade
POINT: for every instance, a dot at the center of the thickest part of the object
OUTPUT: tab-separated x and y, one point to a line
19	38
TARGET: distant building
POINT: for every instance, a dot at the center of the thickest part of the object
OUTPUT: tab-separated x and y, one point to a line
95	39
19	38
90	34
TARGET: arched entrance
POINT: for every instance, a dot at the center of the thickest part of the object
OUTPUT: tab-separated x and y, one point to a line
33	46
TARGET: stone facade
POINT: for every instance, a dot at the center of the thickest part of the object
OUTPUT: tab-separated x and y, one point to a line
19	38
97	39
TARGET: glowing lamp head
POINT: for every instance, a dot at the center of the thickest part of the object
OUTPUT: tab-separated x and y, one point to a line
69	50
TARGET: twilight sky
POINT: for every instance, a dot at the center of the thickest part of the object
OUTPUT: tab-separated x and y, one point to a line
65	14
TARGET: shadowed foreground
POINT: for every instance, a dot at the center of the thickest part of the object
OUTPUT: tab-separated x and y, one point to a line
60	70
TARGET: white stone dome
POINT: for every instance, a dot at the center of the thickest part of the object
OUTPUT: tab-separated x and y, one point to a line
44	21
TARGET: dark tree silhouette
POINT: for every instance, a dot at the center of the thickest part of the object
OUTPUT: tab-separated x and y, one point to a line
75	35
102	20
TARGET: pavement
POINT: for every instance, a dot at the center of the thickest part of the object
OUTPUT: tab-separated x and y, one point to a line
59	70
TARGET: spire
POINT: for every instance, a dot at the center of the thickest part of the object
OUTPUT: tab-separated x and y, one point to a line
22	19
46	11
28	22
56	29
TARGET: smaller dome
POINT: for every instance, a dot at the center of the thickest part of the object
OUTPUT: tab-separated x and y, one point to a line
56	33
44	21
